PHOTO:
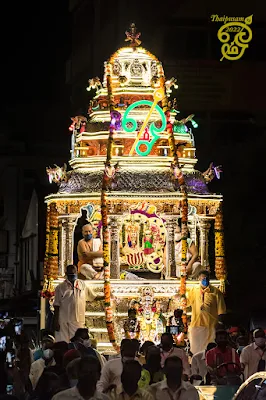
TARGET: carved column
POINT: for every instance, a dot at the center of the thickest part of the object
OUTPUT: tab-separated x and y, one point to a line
204	226
62	246
69	226
114	225
170	225
192	227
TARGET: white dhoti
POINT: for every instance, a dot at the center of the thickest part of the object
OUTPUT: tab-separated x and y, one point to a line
196	267
67	331
133	277
89	272
200	337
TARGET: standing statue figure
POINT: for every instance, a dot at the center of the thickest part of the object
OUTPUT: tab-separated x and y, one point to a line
207	303
148	243
193	265
90	254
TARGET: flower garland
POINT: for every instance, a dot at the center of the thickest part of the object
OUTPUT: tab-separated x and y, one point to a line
220	267
106	250
178	174
51	252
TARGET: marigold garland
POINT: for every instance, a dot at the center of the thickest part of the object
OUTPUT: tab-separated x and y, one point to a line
106	250
51	251
220	266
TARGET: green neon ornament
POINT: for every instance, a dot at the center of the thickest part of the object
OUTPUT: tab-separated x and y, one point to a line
154	131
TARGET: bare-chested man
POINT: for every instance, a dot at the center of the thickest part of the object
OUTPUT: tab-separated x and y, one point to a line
90	254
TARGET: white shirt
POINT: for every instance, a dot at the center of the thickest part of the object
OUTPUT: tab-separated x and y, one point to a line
73	393
250	357
198	364
111	374
175	351
160	391
36	370
71	300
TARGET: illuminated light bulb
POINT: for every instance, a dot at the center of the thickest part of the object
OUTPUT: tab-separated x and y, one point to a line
194	124
88	89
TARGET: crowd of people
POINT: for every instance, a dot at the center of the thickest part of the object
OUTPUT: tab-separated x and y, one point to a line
76	370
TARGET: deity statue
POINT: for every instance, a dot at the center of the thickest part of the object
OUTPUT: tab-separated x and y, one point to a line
148	241
132	325
132	230
151	320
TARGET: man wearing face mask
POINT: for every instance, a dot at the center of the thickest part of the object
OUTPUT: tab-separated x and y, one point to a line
38	366
207	303
222	354
90	253
173	387
81	342
70	305
253	356
47	343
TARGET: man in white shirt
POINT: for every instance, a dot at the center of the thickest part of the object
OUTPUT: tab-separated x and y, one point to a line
112	370
253	356
168	350
89	370
38	366
70	305
198	362
173	388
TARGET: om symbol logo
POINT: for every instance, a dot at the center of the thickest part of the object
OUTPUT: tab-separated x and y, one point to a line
149	141
242	36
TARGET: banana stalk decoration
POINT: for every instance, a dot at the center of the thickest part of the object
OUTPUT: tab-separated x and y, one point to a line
104	213
178	174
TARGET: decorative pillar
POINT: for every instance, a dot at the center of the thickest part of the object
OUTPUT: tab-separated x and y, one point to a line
62	246
69	226
114	227
53	243
204	227
170	225
220	267
192	227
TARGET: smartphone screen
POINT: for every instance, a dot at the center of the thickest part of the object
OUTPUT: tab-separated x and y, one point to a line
9	389
18	328
174	330
2	343
10	359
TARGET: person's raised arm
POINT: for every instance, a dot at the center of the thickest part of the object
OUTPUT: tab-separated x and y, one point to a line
194	366
244	358
221	307
105	380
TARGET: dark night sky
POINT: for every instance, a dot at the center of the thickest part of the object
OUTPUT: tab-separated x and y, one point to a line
36	42
35	46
